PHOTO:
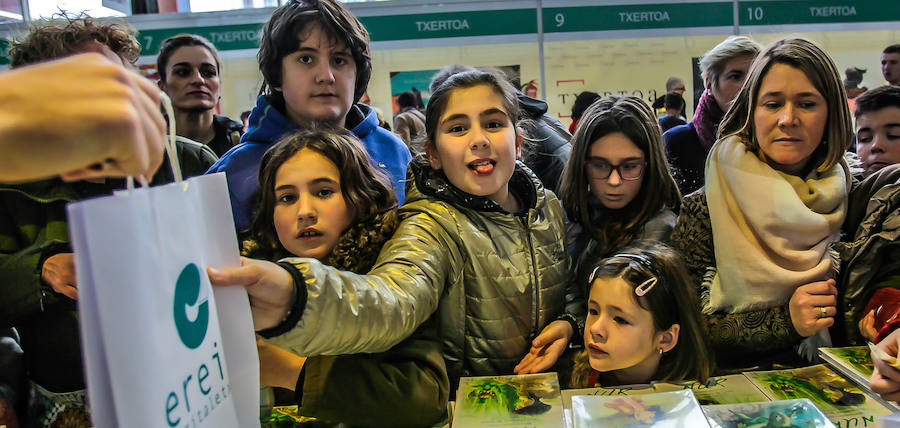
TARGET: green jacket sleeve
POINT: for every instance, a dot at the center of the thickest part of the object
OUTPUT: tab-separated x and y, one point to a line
406	386
729	333
346	313
20	275
23	250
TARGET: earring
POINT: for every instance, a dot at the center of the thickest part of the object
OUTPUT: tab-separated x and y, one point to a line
660	351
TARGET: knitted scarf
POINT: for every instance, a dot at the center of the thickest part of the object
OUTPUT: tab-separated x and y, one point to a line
706	119
772	232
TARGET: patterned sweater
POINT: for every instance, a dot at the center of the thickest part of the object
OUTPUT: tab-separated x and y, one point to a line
754	339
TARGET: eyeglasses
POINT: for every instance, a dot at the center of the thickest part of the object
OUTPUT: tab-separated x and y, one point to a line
601	170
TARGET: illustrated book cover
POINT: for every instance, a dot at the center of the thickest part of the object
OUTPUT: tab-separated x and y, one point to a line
786	413
657	410
729	389
623	390
531	401
716	390
853	362
841	401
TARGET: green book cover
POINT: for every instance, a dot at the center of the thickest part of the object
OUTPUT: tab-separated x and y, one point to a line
840	400
531	401
854	362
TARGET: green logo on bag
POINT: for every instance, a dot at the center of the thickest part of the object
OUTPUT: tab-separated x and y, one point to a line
187	290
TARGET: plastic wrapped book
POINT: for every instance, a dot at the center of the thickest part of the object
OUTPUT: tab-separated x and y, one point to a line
657	410
784	413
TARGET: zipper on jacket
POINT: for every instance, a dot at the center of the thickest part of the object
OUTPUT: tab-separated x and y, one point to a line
526	222
37	199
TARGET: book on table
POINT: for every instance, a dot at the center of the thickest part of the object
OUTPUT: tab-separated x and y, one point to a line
854	362
785	413
532	401
840	400
716	390
656	410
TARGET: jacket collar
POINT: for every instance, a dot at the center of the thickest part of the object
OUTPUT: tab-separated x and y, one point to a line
526	187
268	125
361	120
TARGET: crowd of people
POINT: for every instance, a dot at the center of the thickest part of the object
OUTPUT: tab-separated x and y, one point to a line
488	240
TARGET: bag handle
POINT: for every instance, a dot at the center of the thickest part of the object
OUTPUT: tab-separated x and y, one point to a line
170	144
171	148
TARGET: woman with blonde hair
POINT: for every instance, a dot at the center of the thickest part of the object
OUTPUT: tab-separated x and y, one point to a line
758	237
724	68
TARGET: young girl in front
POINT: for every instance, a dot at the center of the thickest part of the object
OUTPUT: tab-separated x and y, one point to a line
321	198
643	322
616	188
479	247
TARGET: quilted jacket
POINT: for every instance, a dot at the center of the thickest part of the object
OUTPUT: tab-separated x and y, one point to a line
870	250
492	279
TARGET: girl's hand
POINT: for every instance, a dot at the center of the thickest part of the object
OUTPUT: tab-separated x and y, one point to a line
269	286
546	348
278	367
813	307
885	379
59	271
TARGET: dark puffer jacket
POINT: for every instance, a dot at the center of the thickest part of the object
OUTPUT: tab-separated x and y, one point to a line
549	148
870	250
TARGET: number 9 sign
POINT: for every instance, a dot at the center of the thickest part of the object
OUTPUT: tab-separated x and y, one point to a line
560	19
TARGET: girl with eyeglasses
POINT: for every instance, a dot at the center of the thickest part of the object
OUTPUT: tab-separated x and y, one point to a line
616	188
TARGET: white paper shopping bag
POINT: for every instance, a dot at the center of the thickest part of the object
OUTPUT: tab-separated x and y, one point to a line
161	347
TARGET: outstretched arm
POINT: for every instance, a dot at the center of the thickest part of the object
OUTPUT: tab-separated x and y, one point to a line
336	312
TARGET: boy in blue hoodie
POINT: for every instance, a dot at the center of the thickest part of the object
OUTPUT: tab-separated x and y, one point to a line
315	61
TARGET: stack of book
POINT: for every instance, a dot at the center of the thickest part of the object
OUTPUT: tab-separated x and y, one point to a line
814	396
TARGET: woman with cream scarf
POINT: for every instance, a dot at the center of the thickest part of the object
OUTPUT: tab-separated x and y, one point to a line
758	237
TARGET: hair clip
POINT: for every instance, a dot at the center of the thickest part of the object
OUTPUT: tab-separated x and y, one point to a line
645	287
593	275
